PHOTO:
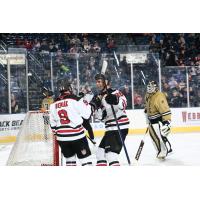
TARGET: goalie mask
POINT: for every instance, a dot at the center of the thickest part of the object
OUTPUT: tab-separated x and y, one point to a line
64	87
152	87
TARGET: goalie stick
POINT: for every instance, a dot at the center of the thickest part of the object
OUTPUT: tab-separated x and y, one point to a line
103	70
137	156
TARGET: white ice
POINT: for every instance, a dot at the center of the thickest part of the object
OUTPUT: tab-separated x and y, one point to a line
186	151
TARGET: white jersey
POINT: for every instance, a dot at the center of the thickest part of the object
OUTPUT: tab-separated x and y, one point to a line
88	96
110	122
66	118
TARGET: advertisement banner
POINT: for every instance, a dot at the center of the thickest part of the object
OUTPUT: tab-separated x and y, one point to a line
186	117
183	120
15	59
10	124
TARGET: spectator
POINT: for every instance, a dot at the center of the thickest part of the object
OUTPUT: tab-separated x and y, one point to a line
110	44
124	66
172	83
171	58
138	101
14	104
97	47
176	99
127	93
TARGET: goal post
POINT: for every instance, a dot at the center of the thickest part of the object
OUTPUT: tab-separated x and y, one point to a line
35	143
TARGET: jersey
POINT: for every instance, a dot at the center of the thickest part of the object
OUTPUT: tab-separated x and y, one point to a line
105	112
66	118
46	102
157	107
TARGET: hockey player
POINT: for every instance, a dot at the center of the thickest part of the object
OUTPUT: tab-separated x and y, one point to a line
87	95
48	99
66	118
110	145
159	117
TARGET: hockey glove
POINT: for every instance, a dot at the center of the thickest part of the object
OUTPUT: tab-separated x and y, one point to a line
104	114
112	99
81	94
86	124
95	102
165	127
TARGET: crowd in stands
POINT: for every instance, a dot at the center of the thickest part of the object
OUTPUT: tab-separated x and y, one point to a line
179	50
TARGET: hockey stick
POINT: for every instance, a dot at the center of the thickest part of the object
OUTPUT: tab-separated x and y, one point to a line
117	61
94	143
104	67
137	156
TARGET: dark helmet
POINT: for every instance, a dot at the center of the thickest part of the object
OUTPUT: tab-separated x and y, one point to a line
152	87
50	94
47	92
64	86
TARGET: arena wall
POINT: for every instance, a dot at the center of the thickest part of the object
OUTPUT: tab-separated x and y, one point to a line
184	120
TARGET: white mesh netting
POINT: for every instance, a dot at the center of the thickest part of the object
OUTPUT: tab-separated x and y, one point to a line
35	144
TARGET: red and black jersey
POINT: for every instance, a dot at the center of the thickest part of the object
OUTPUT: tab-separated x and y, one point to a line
66	117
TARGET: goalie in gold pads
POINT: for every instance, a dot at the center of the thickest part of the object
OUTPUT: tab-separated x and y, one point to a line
159	117
47	101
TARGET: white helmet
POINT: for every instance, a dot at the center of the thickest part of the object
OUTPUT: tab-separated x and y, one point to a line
152	87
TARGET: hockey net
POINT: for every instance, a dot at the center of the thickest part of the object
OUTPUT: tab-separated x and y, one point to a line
35	144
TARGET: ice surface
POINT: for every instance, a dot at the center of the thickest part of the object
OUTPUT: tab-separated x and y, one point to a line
186	151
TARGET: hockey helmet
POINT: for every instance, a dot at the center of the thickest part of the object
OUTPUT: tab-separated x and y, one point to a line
152	87
47	92
64	86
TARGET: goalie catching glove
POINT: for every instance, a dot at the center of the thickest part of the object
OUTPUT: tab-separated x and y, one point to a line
165	127
112	99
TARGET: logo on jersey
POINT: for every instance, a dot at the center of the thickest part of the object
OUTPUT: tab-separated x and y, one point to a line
83	152
85	102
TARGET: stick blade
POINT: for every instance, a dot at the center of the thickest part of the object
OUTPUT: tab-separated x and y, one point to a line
104	67
137	156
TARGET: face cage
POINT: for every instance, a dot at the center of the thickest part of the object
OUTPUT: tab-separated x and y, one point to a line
151	88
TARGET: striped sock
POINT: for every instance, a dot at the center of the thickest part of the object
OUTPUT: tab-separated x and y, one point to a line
101	163
114	163
71	163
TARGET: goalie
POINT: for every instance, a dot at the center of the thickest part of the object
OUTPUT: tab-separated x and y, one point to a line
159	117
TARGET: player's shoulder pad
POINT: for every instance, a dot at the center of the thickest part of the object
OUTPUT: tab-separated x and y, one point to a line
111	90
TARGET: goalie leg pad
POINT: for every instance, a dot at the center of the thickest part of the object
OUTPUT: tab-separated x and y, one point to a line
158	142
